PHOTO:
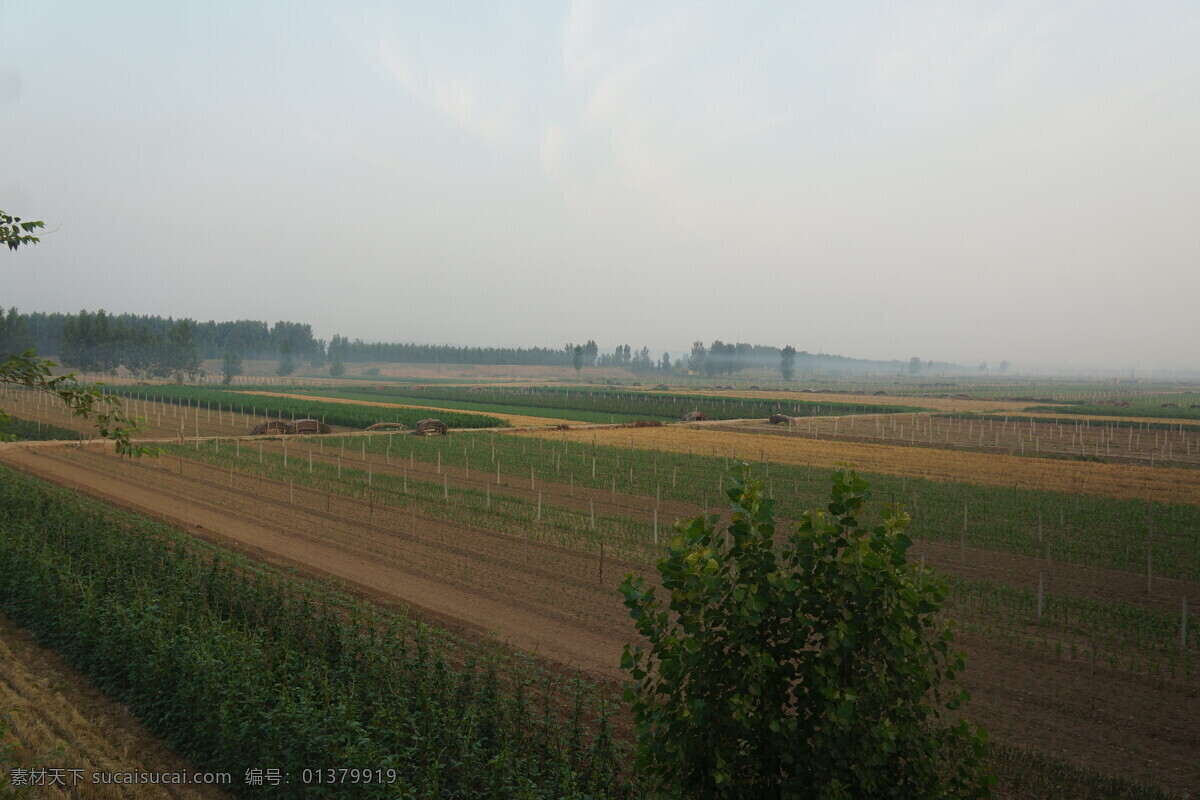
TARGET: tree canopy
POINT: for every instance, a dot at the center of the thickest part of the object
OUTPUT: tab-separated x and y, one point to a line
813	667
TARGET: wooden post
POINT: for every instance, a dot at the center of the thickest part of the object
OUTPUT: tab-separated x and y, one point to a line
539	507
656	527
1183	625
601	561
445	487
592	513
1041	593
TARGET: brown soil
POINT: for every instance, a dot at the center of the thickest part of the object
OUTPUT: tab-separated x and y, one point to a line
63	722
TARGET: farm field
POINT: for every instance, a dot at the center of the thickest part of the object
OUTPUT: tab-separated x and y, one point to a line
1106	440
1067	586
64	723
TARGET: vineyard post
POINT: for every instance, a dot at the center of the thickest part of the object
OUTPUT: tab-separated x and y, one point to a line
291	492
592	514
601	561
532	485
1183	625
539	507
1041	593
962	543
488	492
339	465
656	527
445	487
310	462
260	451
614	489
285	453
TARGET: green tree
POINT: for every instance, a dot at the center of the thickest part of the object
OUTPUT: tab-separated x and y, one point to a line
816	667
665	364
914	366
787	362
182	357
231	366
577	359
27	370
336	367
287	364
14	233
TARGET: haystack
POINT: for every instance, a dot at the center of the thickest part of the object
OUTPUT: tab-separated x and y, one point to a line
271	426
310	426
694	416
387	426
779	419
431	427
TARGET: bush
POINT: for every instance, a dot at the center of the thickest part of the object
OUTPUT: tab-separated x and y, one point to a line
817	667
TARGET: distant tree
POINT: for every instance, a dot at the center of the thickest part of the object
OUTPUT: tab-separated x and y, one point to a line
577	359
318	357
287	365
787	362
914	365
336	366
929	365
14	337
983	366
182	358
590	351
1003	367
698	356
232	366
666	362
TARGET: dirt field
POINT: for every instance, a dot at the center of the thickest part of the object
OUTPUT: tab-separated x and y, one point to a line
62	722
1115	480
552	600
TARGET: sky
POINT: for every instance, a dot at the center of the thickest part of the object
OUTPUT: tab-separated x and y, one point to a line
959	181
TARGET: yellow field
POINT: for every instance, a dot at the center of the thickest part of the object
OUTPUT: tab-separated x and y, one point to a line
1114	480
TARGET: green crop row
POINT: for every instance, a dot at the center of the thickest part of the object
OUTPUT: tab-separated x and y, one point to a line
1070	527
637	404
1150	407
287	408
29	430
240	667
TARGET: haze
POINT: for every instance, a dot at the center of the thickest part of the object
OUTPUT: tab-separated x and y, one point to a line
955	181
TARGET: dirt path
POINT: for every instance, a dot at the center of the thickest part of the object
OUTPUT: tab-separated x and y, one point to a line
63	722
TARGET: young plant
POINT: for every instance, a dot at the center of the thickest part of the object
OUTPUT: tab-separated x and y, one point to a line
815	667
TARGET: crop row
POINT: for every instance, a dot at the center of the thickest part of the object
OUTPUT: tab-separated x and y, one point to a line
287	408
1144	639
1065	526
239	666
645	405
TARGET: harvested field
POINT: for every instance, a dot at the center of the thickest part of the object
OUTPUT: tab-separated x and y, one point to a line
1111	441
62	722
1114	480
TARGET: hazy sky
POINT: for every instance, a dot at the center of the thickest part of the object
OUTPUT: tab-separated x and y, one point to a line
954	180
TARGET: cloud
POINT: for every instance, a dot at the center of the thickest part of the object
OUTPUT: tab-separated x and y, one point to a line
457	97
